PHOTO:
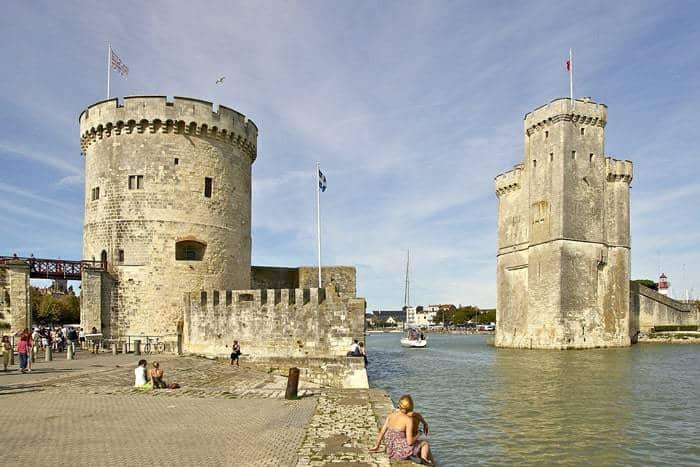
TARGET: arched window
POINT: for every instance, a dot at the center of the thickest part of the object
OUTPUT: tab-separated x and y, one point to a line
189	250
103	259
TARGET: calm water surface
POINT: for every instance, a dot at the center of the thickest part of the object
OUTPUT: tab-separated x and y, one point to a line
634	406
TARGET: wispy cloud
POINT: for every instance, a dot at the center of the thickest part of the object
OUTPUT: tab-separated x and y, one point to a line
8	150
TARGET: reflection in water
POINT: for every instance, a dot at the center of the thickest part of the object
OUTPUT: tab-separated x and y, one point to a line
635	406
544	400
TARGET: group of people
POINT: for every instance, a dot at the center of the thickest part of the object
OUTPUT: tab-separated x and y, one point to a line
150	379
357	349
56	339
402	434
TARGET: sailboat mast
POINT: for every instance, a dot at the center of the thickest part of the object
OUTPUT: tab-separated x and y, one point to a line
407	287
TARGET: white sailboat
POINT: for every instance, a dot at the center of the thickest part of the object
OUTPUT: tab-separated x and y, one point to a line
413	338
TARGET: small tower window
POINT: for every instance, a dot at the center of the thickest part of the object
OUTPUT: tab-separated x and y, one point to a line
189	250
120	255
590	159
207	187
546	134
583	131
534	163
96	193
573	155
176	161
136	182
551	157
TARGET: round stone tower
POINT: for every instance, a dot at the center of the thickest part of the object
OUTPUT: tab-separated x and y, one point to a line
167	205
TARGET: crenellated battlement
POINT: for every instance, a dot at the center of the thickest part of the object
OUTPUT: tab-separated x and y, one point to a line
618	170
509	181
582	111
155	114
261	297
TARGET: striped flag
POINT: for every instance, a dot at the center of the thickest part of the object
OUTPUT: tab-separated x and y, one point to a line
322	181
118	65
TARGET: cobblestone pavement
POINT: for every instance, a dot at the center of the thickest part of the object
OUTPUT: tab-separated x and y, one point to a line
85	412
343	428
108	374
51	428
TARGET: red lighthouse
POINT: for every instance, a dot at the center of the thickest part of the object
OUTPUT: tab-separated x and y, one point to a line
664	284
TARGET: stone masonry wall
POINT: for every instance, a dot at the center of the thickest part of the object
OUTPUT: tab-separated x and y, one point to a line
305	277
651	308
15	311
146	162
272	323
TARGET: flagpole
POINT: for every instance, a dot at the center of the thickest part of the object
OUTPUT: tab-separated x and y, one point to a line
318	218
571	77
109	64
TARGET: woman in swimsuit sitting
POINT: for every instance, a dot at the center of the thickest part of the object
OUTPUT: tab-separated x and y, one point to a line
156	375
399	436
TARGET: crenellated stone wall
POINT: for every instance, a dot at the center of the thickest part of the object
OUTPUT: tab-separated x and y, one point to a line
305	277
309	328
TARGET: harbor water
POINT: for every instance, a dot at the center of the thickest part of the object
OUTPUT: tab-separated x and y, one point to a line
632	406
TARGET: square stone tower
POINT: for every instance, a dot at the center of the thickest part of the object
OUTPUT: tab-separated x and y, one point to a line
563	235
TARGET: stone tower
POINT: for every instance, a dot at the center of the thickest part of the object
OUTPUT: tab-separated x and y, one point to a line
563	262
167	206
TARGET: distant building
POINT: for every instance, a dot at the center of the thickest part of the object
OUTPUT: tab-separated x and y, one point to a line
389	317
426	318
410	314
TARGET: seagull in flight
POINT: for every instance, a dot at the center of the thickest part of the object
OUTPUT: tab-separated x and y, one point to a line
220	80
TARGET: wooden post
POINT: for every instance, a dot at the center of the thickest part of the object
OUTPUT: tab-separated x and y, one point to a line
292	384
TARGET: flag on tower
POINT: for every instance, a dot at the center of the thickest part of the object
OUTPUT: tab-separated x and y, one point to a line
117	64
321	181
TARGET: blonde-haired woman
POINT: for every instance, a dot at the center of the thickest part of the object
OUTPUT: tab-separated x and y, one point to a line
398	434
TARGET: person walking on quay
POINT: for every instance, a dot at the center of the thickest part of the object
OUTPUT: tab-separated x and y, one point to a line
81	337
235	352
23	348
399	431
6	348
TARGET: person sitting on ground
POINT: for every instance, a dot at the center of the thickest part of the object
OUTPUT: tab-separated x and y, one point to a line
156	374
354	349
235	352
361	346
421	435
140	380
398	429
6	348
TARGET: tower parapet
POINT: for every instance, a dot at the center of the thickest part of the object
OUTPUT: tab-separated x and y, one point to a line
509	181
155	114
618	170
582	111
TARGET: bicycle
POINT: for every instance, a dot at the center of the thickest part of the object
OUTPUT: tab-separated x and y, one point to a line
157	345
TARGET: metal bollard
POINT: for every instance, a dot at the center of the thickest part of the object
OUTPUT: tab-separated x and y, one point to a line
47	354
69	352
114	349
12	357
125	348
137	346
292	384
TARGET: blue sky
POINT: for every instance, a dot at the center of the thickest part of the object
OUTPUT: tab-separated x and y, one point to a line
411	107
